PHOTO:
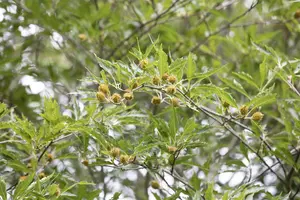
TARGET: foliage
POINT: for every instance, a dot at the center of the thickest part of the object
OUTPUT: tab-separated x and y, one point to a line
150	99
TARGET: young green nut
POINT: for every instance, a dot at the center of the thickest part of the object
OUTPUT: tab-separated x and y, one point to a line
128	96
156	100
257	116
143	63
171	89
155	185
103	88
172	79
174	102
124	159
244	110
165	76
100	96
115	152
156	80
116	98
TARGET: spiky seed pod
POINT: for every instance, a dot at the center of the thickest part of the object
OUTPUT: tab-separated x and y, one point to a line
115	152
172	79
82	37
156	80
100	96
128	96
116	98
57	192
172	149
104	88
175	102
171	89
243	110
257	116
165	76
124	159
143	63
156	100
155	185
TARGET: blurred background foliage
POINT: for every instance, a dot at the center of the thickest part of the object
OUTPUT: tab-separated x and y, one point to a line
46	47
53	41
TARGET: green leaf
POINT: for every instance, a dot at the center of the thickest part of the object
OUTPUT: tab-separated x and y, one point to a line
51	111
22	186
196	91
78	183
247	78
201	76
226	196
261	100
191	67
3	110
174	123
3	189
162	61
209	193
235	85
263	68
116	196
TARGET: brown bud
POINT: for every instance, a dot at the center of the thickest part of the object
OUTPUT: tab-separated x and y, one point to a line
104	88
225	104
85	162
156	100
100	96
155	185
257	116
128	96
171	89
22	178
244	110
172	79
115	152
116	98
50	157
143	63
297	14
